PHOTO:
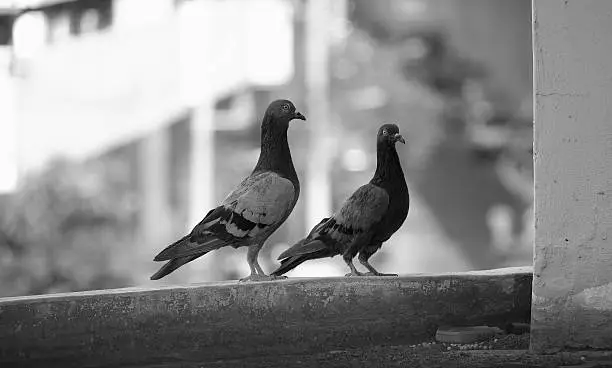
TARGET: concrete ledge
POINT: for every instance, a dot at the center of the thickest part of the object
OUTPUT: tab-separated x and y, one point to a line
229	321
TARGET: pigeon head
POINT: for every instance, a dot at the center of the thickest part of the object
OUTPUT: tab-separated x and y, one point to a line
389	134
283	111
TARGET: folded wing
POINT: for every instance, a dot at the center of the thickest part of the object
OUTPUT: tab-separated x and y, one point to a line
259	205
356	220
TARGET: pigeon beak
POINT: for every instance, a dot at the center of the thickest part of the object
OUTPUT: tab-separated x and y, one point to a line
398	138
299	116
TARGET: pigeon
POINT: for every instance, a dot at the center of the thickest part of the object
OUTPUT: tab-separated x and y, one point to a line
368	218
254	210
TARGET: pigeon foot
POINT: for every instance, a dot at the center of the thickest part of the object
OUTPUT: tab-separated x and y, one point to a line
255	277
381	274
354	274
275	277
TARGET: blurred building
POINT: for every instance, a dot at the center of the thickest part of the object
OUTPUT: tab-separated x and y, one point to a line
8	162
466	102
161	87
163	99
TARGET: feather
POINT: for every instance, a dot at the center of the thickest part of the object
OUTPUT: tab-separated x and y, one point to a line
256	208
173	265
360	212
292	262
261	201
366	219
363	210
303	248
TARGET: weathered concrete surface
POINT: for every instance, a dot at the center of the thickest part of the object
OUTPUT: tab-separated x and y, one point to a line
572	302
407	357
225	321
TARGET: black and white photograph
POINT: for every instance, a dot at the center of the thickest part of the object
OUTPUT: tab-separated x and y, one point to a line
305	183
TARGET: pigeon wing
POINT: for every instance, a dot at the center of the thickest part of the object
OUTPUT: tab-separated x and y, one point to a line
260	204
357	218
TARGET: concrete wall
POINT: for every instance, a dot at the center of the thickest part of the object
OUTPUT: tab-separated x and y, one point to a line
572	301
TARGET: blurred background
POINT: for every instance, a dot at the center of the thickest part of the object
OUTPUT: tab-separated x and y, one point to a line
122	122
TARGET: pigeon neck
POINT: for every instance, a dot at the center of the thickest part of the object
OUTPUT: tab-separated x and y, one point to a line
275	154
388	165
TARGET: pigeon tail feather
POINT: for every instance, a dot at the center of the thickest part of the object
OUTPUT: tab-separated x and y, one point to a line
164	254
185	247
303	248
172	265
290	263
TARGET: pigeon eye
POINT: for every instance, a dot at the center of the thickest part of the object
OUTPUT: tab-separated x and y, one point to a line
385	132
285	107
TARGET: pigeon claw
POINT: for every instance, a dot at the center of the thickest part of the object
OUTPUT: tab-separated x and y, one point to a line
382	274
354	274
255	278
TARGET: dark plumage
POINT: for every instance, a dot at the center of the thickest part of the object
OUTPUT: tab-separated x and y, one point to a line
367	218
254	210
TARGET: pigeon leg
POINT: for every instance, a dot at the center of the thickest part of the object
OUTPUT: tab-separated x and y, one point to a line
364	256
257	273
354	271
348	256
260	270
263	274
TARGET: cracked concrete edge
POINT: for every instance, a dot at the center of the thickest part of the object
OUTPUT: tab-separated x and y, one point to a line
230	320
528	270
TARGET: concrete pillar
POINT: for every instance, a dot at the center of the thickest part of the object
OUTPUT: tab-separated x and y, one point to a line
572	288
